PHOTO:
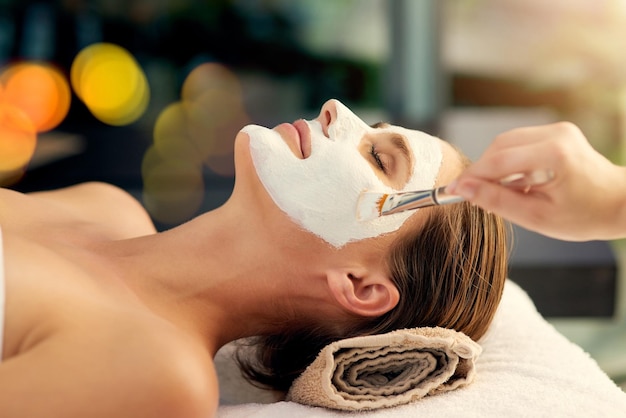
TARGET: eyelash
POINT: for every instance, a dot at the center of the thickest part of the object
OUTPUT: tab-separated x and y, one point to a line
379	162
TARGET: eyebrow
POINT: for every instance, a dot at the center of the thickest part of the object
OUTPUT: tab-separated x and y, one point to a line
400	143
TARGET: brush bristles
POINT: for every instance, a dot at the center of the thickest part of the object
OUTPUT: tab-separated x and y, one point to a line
370	205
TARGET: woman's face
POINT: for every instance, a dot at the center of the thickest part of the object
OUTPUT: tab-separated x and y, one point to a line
315	170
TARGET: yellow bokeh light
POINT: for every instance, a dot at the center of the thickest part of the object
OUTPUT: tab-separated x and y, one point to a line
173	189
214	119
18	138
215	113
111	83
195	132
171	136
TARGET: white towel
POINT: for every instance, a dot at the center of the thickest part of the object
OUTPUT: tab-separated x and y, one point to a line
380	371
526	369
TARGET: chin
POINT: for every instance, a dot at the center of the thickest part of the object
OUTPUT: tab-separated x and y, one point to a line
247	183
241	151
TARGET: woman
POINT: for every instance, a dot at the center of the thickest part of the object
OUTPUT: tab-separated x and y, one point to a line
586	199
105	317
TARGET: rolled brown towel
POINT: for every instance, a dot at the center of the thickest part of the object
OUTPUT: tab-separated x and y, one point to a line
380	371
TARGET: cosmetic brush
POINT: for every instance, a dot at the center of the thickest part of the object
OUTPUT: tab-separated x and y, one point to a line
372	205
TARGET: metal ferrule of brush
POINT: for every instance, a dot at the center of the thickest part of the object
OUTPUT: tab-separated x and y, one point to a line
400	202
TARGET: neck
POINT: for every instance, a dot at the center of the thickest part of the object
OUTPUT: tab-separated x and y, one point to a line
214	276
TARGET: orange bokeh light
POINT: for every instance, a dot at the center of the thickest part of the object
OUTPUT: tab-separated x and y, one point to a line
39	91
18	138
34	97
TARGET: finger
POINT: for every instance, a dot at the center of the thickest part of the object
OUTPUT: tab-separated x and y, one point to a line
513	205
533	134
496	166
526	149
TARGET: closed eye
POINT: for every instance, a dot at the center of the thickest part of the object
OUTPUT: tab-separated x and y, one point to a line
376	156
389	151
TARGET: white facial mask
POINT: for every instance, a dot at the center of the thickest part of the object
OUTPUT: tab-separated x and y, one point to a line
320	192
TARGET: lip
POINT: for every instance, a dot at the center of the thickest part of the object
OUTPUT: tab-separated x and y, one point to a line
305	137
297	136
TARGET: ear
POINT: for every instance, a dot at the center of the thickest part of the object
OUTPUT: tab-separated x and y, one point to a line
361	291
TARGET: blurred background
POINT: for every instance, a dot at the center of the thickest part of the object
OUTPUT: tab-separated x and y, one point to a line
149	95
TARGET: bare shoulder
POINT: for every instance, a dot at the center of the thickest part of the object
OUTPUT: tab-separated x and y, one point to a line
101	202
171	371
126	370
91	196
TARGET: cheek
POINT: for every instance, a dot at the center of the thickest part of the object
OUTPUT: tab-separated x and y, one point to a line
320	193
342	168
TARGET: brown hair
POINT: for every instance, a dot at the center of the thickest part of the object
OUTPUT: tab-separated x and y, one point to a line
450	274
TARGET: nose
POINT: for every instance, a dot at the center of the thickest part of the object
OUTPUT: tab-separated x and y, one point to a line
328	114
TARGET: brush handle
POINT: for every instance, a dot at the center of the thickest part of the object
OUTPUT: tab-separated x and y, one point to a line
400	202
441	197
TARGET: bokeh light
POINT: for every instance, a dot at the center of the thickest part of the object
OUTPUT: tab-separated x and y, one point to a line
34	97
40	91
173	188
215	113
171	137
196	132
110	82
18	138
